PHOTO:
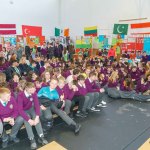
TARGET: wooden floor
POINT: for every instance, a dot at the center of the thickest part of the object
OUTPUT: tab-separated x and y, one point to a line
123	125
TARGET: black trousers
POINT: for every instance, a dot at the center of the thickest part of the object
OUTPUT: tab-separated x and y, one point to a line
78	100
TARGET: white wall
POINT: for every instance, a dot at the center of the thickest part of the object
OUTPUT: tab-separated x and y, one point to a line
31	12
77	14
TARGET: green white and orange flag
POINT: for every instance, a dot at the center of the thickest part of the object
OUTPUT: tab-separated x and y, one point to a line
90	31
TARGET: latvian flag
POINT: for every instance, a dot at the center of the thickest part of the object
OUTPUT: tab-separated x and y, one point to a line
140	28
7	29
90	31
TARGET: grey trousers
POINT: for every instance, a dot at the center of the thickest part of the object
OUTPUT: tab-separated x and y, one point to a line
113	93
83	102
95	98
67	106
53	108
15	128
127	94
141	97
38	127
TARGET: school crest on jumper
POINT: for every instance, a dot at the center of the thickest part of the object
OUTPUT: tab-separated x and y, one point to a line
31	99
11	106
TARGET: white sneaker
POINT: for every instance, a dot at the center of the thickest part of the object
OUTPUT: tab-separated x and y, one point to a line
94	109
101	105
104	103
148	100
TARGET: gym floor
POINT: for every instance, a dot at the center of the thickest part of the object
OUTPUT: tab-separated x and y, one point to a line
123	125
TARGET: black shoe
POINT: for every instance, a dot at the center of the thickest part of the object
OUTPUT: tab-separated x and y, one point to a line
80	114
77	128
5	144
42	141
33	144
85	113
15	140
71	116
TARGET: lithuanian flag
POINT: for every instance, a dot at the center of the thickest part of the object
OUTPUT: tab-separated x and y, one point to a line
90	31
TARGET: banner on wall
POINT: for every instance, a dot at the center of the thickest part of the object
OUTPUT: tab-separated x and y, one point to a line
139	43
42	40
147	45
20	40
84	42
13	41
32	41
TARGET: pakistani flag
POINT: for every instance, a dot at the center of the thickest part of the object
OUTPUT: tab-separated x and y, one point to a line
120	29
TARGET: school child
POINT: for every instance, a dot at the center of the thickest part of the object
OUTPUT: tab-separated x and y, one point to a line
9	115
29	109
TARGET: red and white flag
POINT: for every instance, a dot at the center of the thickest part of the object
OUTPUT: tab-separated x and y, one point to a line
7	29
31	30
140	28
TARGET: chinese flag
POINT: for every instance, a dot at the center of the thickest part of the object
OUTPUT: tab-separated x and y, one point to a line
31	30
66	32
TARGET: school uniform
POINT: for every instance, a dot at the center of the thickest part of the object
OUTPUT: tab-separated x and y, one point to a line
53	97
66	73
126	92
24	68
42	69
112	90
144	59
103	82
44	51
10	109
87	103
140	90
64	91
93	88
13	85
29	108
135	75
39	64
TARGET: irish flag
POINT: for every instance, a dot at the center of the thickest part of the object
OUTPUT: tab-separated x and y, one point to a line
140	28
90	31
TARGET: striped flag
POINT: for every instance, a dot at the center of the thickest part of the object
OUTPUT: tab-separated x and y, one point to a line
140	28
66	32
7	29
90	31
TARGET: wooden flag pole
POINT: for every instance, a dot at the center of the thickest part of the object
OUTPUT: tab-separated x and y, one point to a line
133	19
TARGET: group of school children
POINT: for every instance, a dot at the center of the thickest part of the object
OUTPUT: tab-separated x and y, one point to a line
31	91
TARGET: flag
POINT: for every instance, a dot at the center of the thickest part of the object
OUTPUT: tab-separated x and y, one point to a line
57	32
120	29
31	30
140	28
42	39
90	31
66	32
7	29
